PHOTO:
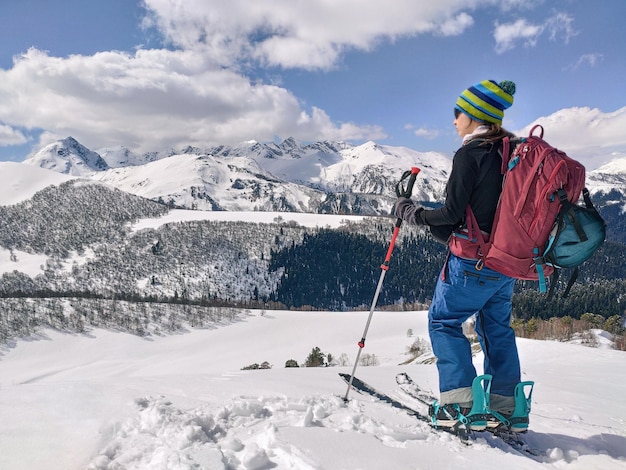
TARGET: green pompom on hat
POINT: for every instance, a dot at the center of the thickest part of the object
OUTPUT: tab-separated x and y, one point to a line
487	100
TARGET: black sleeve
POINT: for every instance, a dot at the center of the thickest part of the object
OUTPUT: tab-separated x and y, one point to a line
459	189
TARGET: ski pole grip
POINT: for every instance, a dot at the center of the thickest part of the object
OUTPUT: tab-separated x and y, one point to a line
411	174
409	187
408	190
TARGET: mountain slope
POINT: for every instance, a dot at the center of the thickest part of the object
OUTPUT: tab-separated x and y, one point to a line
20	182
210	183
68	156
609	178
323	177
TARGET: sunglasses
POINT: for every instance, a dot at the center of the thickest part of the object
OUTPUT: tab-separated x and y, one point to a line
456	113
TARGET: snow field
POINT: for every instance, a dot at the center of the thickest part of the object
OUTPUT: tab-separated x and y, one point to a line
108	400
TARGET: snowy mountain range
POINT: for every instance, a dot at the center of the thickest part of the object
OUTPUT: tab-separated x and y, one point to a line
322	177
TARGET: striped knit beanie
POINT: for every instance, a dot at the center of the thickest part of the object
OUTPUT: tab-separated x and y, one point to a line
487	100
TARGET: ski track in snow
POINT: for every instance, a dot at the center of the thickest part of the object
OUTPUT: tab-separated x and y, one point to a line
255	433
244	433
113	401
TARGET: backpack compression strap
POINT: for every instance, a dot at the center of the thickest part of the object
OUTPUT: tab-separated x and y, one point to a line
567	208
474	234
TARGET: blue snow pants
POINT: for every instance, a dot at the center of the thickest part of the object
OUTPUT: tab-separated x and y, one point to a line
461	292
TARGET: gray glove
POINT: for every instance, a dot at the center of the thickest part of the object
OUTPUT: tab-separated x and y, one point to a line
408	211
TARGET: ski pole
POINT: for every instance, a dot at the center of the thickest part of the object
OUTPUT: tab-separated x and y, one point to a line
400	192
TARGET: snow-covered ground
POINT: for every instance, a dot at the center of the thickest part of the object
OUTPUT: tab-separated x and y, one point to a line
301	218
20	182
110	400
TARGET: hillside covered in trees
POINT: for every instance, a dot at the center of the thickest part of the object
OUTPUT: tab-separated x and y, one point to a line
90	246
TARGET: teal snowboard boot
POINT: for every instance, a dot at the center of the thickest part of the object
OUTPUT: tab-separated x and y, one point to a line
474	418
479	413
518	420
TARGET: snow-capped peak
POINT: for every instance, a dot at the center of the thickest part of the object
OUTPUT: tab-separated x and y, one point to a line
274	176
68	156
615	166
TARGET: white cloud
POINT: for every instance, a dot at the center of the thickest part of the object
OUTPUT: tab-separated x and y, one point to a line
426	133
47	137
507	5
307	35
560	25
457	25
196	91
586	134
11	136
590	60
508	35
155	99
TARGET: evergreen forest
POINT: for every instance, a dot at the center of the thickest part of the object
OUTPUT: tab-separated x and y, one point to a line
86	243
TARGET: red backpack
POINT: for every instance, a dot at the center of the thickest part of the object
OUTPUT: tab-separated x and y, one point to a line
526	212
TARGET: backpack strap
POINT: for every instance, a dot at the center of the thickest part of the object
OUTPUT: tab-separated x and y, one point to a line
553	281
506	152
506	155
587	199
474	234
567	211
571	282
540	262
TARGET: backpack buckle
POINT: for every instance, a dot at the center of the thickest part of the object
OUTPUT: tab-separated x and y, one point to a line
480	264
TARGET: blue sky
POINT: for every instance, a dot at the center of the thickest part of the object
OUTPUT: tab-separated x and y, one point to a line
156	74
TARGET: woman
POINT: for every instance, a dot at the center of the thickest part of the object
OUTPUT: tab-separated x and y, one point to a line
463	289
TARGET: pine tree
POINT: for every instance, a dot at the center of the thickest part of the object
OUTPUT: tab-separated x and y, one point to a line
315	358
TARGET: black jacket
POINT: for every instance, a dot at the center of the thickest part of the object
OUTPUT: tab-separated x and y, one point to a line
475	179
